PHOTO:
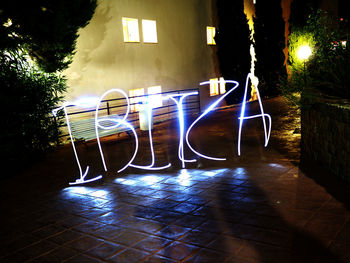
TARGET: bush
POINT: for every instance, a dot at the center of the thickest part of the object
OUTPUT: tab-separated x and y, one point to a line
28	96
326	72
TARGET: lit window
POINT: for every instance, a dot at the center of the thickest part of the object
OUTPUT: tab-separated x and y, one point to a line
217	86
222	85
131	29
149	31
135	102
210	35
214	87
156	100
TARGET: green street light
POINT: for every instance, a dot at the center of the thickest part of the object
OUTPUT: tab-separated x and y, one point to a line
304	52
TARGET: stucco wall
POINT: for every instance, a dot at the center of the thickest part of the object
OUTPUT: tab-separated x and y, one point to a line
180	59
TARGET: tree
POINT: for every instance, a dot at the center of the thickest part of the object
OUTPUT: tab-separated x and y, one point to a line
300	10
37	41
269	45
46	29
233	42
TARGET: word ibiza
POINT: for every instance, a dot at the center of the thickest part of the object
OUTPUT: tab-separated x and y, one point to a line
184	135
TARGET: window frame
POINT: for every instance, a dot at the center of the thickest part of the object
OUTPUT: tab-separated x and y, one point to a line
217	86
154	32
128	28
211	31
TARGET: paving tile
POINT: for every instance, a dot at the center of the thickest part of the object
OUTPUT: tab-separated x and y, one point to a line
59	254
198	238
189	221
111	218
144	225
335	207
225	243
324	230
146	212
158	259
152	244
214	226
344	234
178	251
88	227
340	251
38	249
73	221
82	258
108	232
173	231
48	231
168	217
105	250
65	236
236	259
129	237
17	257
83	243
265	253
17	243
208	256
93	213
129	255
165	204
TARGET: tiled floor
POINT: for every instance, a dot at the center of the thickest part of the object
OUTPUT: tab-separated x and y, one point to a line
257	208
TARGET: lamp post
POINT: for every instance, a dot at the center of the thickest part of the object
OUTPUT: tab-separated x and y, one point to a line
303	53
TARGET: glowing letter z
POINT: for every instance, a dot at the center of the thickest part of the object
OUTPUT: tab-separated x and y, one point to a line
209	109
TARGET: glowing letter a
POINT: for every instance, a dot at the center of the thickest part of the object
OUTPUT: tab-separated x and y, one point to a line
262	115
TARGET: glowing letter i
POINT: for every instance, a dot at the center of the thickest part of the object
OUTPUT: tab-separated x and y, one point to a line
81	179
182	124
147	105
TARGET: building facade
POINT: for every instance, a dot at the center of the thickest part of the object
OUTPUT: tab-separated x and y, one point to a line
147	46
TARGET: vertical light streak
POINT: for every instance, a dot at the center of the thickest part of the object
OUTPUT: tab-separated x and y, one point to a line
181	124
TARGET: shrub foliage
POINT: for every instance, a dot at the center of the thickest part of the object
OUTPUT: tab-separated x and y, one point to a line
326	72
